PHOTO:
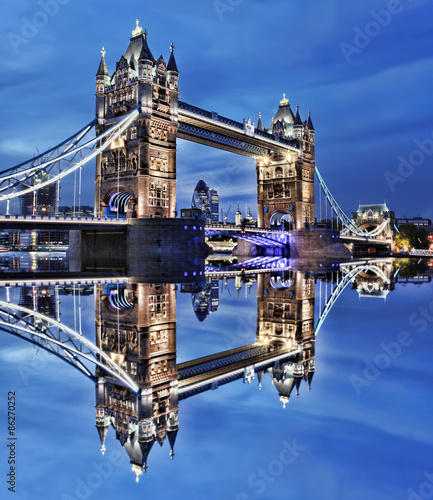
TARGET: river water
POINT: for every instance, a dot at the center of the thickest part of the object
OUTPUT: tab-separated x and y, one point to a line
343	414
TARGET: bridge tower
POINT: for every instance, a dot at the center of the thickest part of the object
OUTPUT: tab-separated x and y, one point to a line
136	176
285	182
285	318
136	327
369	217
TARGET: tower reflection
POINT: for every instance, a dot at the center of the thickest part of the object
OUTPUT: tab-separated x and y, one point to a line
136	327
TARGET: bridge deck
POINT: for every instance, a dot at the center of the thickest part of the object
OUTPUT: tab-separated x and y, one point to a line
59	222
192	364
216	375
364	239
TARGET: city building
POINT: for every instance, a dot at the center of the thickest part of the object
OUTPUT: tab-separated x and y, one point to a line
238	217
42	201
206	200
214	204
206	300
82	210
417	221
191	213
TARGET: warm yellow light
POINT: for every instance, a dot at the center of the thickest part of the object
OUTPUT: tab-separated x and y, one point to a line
266	160
120	143
119	359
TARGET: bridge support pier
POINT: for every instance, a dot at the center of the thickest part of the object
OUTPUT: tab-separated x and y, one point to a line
145	249
312	243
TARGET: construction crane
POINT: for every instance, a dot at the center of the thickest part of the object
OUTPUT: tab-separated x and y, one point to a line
227	214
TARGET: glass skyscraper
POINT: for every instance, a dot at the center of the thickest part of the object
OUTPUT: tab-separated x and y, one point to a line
206	200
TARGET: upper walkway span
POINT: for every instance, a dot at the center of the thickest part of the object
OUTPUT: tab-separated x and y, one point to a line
211	129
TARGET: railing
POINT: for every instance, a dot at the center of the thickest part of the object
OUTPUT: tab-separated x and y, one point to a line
64	218
421	253
230	122
194	109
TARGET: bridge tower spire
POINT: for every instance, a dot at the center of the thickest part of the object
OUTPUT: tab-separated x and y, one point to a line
102	80
136	176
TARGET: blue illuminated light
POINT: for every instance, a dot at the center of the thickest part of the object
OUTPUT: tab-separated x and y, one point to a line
185	227
185	274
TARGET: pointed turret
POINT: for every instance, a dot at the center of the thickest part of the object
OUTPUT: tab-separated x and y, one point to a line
102	431
102	80
145	53
172	66
102	70
298	381
311	132
298	120
146	63
172	439
102	424
297	124
172	71
310	123
260	124
259	378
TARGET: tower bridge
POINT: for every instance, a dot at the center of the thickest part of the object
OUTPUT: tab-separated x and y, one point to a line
139	119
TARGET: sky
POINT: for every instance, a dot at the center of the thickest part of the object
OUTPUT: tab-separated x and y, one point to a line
362	68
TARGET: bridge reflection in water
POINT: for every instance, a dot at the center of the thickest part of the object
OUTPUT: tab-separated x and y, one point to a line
139	382
136	327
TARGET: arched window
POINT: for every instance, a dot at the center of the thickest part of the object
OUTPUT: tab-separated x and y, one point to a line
278	172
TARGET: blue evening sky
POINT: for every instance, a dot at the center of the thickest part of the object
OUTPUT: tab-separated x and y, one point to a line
363	68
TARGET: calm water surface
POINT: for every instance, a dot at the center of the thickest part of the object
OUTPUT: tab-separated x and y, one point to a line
362	431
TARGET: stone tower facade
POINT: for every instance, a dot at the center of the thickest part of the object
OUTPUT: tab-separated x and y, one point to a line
285	319
285	182
136	328
136	175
